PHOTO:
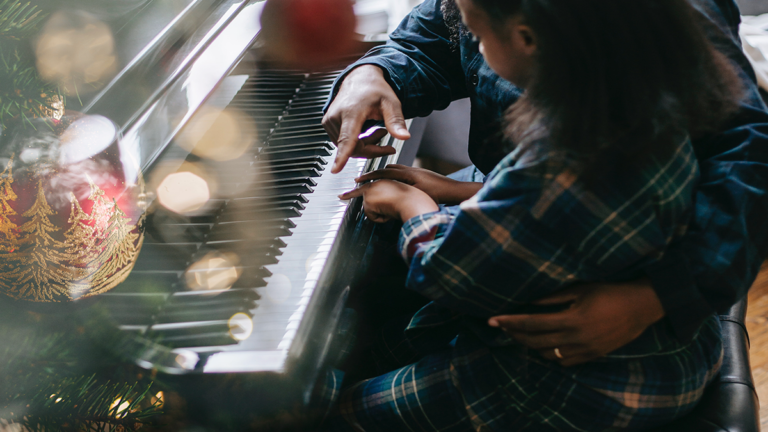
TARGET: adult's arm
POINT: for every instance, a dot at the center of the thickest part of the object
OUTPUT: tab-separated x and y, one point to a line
418	66
419	61
715	263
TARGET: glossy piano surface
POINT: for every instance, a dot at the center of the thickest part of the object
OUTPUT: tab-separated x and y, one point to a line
248	284
236	302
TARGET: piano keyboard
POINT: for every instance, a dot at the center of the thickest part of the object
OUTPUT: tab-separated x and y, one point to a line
282	226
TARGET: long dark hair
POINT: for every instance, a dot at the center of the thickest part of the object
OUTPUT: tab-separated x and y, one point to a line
617	77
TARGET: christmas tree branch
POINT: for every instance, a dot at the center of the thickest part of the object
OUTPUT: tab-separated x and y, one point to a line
43	386
19	20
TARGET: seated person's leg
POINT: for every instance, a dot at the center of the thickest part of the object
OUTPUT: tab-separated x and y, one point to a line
420	396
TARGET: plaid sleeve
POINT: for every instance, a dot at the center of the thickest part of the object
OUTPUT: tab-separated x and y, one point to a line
420	231
533	230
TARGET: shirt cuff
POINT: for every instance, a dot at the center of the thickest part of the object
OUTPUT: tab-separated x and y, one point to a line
391	77
674	284
420	229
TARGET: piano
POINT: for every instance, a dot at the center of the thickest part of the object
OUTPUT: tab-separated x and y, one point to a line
238	305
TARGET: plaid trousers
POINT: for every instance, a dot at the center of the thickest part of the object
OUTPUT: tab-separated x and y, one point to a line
517	390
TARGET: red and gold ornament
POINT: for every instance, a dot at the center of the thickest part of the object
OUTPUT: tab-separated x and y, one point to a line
70	223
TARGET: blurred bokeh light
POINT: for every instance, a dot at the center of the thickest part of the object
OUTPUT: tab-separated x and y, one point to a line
240	326
186	359
76	51
218	134
158	400
182	187
214	272
120	406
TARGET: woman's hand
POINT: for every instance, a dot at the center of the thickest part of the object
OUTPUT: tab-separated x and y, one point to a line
602	318
385	200
442	189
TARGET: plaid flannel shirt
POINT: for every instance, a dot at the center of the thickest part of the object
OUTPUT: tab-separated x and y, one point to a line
534	228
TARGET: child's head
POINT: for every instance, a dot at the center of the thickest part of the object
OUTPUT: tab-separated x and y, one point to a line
605	72
506	40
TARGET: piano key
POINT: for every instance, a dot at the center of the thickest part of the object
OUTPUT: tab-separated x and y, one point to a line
265	162
291	153
192	334
281	212
271	198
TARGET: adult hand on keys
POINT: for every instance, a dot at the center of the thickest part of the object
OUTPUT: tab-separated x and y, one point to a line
364	95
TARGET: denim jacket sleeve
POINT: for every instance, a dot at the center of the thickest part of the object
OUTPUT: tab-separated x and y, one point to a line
715	263
420	62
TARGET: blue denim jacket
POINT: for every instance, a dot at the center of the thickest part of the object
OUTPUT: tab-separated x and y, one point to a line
714	265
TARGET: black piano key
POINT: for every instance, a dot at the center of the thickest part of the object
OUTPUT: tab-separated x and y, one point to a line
193	334
319	84
235	231
303	139
298	171
275	242
304	110
252	277
281	189
259	204
304	104
264	161
271	198
279	212
203	312
201	298
280	133
263	223
282	145
296	122
291	129
312	95
277	181
295	153
207	306
282	165
247	249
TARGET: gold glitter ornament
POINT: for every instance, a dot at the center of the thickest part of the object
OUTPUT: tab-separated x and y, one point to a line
55	108
63	235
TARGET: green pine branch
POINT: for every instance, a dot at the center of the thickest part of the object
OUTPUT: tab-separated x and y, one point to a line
19	20
84	404
23	95
45	387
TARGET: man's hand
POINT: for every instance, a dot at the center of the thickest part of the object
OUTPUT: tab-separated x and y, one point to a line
364	94
442	189
385	200
601	319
